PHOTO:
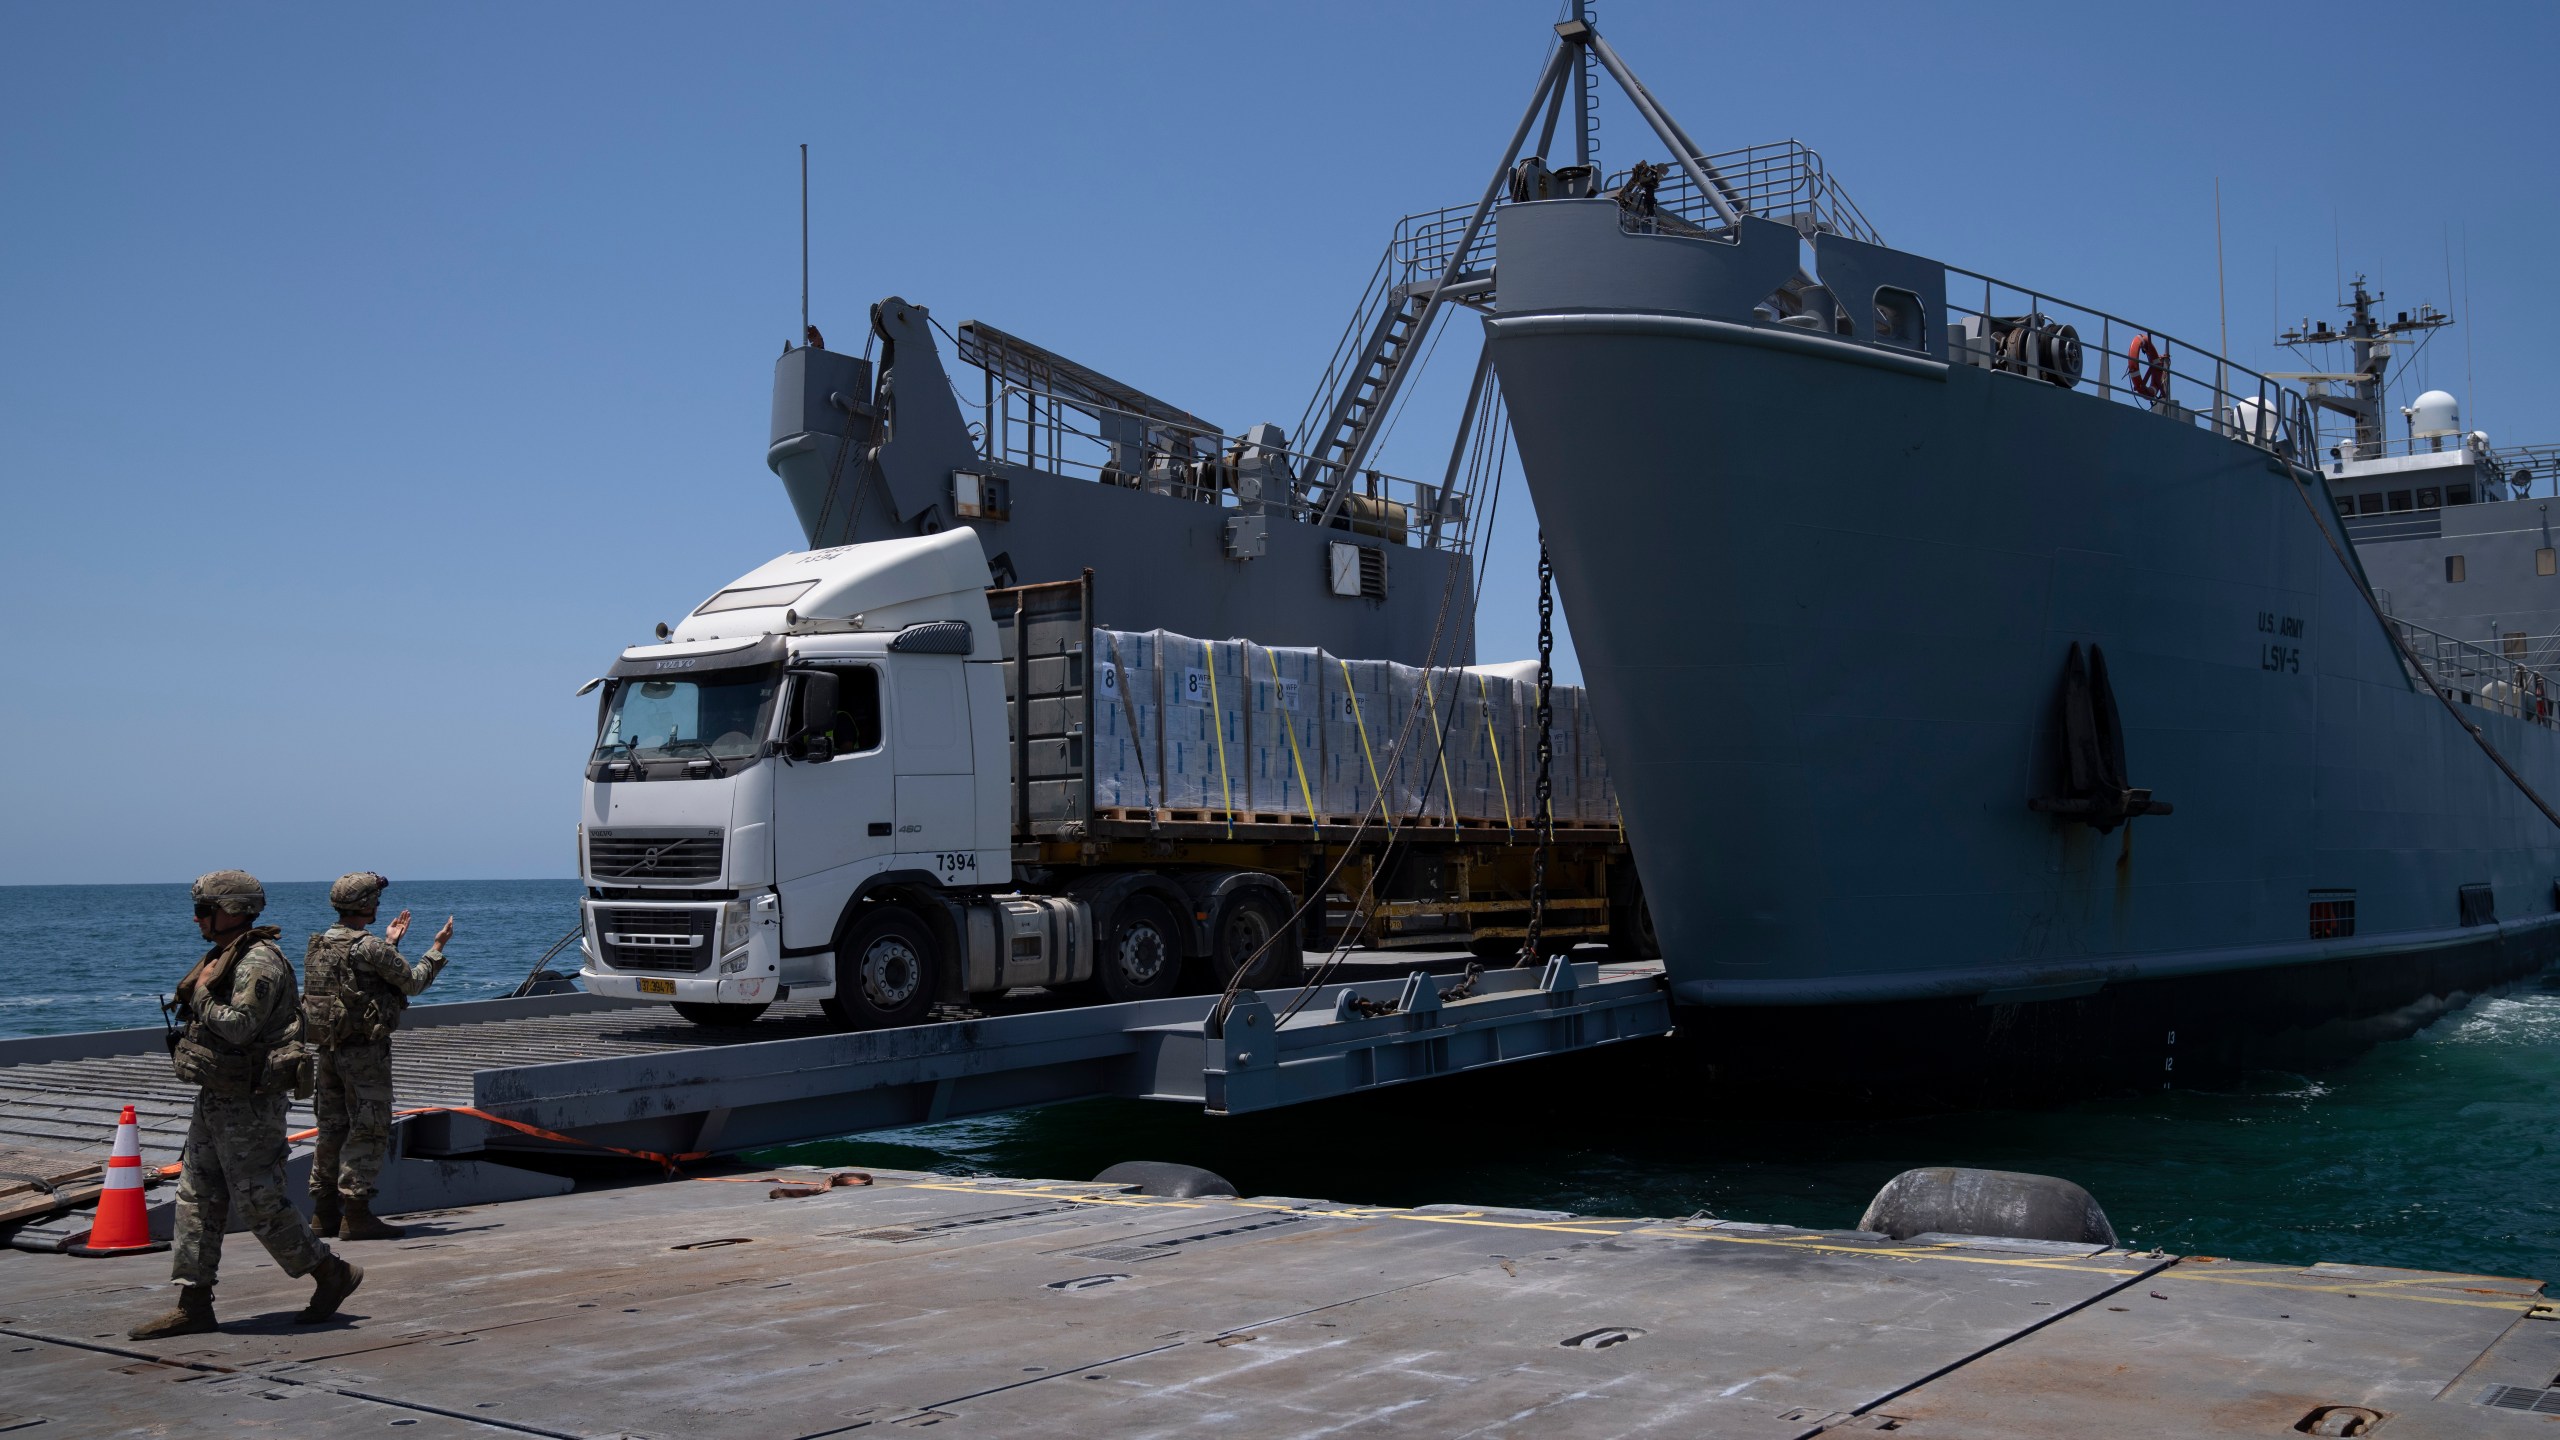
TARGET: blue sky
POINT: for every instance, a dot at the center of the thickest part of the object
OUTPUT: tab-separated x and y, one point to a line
372	374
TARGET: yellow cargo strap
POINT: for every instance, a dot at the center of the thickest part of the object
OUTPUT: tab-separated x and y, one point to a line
1377	791
1218	729
1431	697
1501	781
1289	727
1129	710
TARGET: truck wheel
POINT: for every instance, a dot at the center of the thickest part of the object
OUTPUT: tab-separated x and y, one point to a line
888	971
1249	922
719	1017
1141	957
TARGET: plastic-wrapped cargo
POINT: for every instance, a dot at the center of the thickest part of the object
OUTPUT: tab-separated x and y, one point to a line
1497	728
1564	761
1234	728
1359	731
1414	788
1287	729
1203	718
1124	740
1467	786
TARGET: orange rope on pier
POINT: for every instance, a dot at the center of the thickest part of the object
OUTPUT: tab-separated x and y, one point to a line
671	1162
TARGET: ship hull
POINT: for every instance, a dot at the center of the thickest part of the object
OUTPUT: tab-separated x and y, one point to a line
1822	598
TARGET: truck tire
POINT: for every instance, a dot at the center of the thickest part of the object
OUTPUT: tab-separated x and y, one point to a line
718	1017
1141	953
888	971
1248	923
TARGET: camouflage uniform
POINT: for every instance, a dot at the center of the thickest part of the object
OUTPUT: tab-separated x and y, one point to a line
371	984
241	1012
242	1048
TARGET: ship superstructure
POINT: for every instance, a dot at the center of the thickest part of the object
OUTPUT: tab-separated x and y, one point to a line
2456	542
1066	470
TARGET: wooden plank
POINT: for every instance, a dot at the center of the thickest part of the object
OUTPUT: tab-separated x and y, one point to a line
59	1181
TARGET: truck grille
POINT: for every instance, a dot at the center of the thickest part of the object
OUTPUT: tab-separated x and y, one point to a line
674	940
660	858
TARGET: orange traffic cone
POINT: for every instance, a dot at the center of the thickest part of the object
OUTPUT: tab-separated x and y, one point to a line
122	1223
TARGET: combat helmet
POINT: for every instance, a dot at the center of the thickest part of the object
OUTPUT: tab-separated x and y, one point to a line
237	891
358	891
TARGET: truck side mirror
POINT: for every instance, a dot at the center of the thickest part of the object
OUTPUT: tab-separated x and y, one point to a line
813	716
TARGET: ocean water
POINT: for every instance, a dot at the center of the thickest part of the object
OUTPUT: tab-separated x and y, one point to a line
2436	1152
93	957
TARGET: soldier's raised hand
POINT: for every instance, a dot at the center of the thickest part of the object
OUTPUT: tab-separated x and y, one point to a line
446	933
398	927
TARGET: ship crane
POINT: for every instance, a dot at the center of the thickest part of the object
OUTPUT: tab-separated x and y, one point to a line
1394	320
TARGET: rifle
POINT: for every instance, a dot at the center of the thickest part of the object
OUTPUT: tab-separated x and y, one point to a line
173	1019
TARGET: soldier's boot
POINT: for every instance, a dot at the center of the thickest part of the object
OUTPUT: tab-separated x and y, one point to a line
324	1212
194	1316
360	1223
332	1283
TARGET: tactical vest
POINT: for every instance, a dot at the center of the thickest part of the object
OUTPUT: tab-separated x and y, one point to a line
273	1061
341	1005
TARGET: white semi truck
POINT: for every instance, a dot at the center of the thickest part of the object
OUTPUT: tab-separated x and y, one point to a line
824	784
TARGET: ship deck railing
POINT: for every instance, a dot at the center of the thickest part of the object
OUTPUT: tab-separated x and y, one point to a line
2499	680
2519	464
1786	182
1037	431
2199	387
2516	465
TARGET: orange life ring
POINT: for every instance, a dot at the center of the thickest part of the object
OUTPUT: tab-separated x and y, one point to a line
2146	370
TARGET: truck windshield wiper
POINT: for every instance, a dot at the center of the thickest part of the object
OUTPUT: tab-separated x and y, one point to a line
705	747
630	757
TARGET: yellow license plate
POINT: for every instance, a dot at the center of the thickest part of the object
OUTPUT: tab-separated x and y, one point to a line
657	987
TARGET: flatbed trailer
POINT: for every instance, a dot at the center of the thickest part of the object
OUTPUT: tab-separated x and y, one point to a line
1383	879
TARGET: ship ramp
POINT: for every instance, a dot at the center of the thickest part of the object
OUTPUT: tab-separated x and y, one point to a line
488	1088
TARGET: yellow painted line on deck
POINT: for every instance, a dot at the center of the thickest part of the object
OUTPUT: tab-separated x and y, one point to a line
1617	1229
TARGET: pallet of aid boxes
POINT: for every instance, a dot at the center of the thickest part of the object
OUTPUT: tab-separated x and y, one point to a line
1228	730
1202	730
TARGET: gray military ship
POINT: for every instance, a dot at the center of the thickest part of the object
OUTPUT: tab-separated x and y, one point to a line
1991	681
1971	701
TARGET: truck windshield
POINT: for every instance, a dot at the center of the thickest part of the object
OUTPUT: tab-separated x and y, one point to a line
722	714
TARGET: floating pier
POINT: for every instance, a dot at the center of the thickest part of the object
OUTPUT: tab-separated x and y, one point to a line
720	1301
489	1087
703	1308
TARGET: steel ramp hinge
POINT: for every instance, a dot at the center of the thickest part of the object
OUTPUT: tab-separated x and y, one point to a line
1421	1000
1249	1035
1559	982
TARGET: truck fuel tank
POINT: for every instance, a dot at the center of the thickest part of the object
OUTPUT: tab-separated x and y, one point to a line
1025	940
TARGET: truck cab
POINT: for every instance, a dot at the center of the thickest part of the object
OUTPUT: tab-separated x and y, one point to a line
829	727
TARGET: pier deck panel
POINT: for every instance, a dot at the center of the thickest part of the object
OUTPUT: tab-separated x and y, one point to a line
703	1308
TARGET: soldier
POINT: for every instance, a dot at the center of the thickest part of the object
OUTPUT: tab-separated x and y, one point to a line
242	1047
354	987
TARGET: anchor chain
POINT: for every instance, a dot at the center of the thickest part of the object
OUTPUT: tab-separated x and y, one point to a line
1531	944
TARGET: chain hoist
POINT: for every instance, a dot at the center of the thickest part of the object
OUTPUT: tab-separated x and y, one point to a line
1532	944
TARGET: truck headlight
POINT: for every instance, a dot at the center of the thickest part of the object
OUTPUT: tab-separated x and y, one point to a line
733	927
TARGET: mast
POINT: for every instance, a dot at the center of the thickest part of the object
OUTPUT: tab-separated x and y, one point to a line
2369	340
